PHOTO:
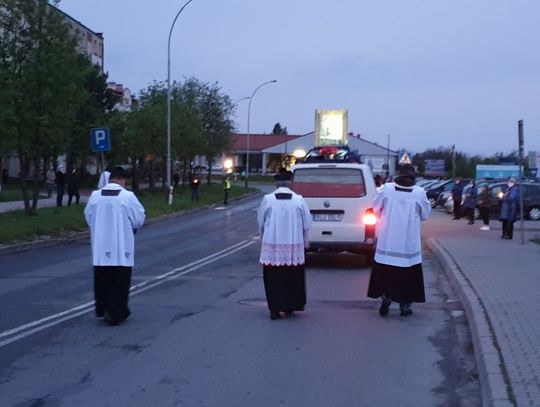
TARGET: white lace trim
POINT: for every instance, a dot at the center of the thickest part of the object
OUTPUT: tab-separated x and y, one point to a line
282	254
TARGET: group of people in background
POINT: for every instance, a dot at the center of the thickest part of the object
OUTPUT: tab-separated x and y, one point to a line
467	198
60	180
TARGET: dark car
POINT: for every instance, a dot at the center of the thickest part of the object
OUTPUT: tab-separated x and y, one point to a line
435	190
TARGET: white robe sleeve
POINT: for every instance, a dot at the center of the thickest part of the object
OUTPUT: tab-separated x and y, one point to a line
89	210
261	213
136	212
378	202
425	206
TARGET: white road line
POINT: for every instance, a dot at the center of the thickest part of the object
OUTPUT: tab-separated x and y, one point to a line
41	324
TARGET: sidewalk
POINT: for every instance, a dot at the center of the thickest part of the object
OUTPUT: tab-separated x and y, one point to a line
42	203
498	282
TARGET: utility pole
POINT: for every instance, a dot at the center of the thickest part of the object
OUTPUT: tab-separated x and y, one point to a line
520	163
453	161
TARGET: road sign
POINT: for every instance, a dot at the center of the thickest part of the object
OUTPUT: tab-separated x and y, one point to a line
101	140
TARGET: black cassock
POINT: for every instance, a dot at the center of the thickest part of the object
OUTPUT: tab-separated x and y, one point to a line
401	284
285	287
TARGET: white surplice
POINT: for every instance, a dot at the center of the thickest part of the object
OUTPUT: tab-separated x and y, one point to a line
284	224
400	214
112	220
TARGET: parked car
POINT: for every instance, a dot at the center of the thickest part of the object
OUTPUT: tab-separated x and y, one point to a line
531	200
435	189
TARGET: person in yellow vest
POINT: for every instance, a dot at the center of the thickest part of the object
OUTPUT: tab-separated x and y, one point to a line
226	188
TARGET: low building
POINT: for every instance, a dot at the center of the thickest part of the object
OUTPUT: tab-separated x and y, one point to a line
267	152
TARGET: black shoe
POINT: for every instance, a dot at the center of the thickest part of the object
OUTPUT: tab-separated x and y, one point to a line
406	313
275	315
384	308
470	223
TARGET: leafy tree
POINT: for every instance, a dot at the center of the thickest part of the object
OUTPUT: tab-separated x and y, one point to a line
278	129
42	85
216	126
97	105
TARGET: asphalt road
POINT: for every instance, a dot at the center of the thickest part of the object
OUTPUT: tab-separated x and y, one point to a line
200	334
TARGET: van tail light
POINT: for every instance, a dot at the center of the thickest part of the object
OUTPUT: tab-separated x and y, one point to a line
369	218
370	221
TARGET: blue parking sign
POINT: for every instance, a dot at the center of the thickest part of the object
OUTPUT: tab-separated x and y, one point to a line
101	140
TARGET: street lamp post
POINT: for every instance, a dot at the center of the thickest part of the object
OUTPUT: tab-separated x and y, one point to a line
169	96
388	157
248	135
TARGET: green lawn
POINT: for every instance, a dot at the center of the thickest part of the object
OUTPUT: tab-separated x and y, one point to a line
13	193
18	227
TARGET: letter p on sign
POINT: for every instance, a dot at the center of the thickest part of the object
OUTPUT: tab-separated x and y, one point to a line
101	140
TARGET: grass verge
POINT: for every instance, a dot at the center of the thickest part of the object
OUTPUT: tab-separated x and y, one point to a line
17	227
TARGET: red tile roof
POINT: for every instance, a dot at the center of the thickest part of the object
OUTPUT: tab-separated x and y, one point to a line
259	142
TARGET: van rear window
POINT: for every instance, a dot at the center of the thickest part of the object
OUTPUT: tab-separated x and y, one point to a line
329	182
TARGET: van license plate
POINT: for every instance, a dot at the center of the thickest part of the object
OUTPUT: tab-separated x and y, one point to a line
327	217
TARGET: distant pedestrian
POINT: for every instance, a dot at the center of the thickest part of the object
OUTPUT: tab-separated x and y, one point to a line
284	222
469	201
50	178
484	201
73	187
113	214
457	196
194	183
104	177
378	180
509	207
176	179
397	273
226	188
60	181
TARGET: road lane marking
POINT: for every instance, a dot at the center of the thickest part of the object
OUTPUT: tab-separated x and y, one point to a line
39	325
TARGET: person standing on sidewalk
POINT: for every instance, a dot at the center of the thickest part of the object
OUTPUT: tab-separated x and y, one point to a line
194	183
113	214
457	195
73	187
469	203
50	178
226	188
484	199
509	206
284	222
60	181
397	273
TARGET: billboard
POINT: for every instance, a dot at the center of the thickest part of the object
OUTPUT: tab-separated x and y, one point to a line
331	127
434	168
497	171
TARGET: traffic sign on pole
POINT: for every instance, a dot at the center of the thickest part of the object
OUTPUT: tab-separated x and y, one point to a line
101	140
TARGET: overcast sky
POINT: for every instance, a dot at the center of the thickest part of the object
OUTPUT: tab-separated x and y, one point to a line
428	72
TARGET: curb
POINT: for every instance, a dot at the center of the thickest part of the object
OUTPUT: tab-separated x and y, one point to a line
495	385
72	237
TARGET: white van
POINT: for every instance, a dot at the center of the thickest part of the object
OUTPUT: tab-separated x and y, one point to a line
339	196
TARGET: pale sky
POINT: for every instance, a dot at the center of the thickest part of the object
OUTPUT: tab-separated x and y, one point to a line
428	72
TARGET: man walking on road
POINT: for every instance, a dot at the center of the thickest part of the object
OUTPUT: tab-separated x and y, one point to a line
113	214
284	222
397	271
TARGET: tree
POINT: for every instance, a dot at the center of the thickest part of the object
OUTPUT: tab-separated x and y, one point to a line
278	129
97	105
216	125
42	85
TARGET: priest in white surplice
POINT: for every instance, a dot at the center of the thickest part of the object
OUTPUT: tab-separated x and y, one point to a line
397	271
284	222
113	214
